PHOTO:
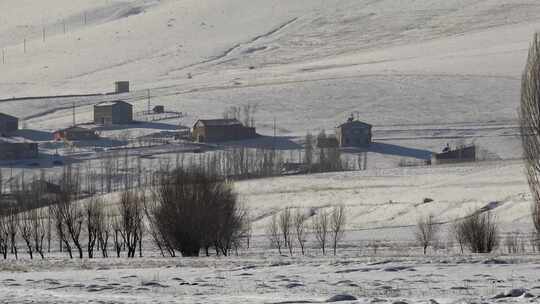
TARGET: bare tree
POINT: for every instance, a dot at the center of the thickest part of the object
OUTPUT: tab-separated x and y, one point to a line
274	234
426	231
286	228
480	232
197	207
25	229
458	235
131	213
300	229
95	217
321	228
308	150
337	225
4	236
39	229
529	117
12	219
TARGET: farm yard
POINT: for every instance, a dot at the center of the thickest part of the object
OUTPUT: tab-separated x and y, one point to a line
424	75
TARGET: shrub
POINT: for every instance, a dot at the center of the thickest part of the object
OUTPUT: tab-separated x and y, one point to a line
479	232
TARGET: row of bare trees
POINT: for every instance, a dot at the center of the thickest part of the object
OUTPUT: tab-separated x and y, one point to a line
477	232
291	227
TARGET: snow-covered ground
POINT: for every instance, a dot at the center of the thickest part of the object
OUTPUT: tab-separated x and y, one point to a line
423	72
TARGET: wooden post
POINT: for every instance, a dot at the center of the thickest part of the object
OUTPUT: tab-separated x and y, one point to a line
43	34
3	56
24	45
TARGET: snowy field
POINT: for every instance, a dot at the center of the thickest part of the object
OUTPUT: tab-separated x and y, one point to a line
423	72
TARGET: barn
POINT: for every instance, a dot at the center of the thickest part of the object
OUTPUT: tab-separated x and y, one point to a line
219	130
457	155
8	124
113	113
17	150
354	133
75	133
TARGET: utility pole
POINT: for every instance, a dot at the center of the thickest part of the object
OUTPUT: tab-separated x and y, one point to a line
64	24
3	56
73	113
274	139
24	45
43	34
148	98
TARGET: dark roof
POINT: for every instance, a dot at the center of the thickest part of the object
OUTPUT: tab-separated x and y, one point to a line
76	129
219	122
112	103
2	115
355	123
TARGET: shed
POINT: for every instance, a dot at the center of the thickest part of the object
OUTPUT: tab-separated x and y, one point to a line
15	150
75	133
121	87
354	133
8	124
218	130
158	109
113	113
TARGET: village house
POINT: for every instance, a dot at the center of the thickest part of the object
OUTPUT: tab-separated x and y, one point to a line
457	155
354	133
75	133
113	113
218	130
16	150
8	124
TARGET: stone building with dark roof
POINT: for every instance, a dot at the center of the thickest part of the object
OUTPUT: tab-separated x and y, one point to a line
354	133
219	130
113	113
8	124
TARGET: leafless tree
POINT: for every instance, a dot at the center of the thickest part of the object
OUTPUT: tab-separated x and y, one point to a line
321	228
512	242
95	217
39	229
529	115
308	150
480	232
197	208
286	228
157	234
426	231
12	221
25	230
300	229
130	209
274	234
4	236
338	221
104	232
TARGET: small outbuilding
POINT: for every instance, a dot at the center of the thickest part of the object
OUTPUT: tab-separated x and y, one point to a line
457	155
219	130
354	133
16	150
159	109
8	124
113	113
121	87
75	133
